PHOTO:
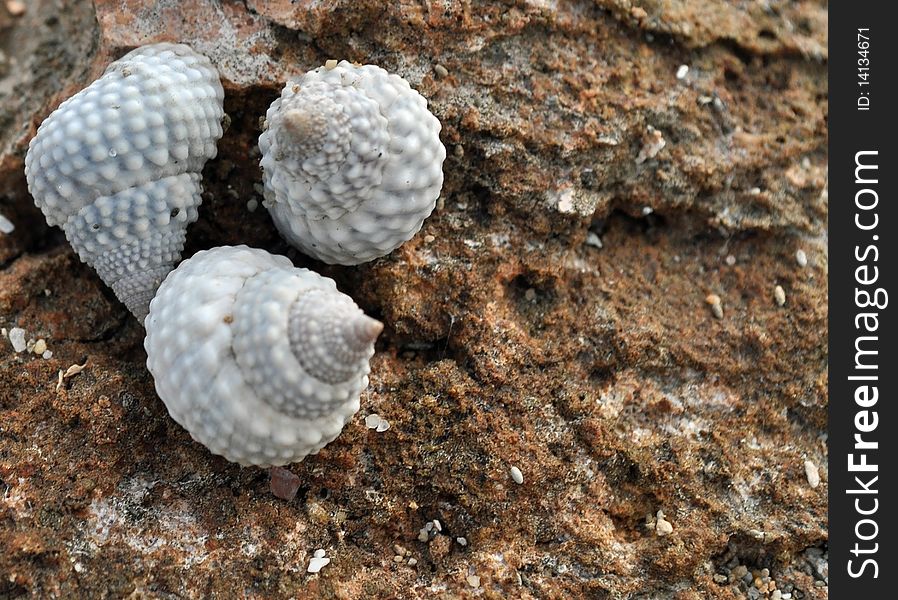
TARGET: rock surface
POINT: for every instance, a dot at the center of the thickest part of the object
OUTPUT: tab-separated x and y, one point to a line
600	373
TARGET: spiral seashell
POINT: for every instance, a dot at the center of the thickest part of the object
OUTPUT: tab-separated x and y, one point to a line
352	162
118	165
261	362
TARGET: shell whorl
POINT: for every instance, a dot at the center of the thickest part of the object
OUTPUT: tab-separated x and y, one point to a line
117	165
352	162
261	362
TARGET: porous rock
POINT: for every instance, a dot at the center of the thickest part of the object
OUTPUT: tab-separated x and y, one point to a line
612	387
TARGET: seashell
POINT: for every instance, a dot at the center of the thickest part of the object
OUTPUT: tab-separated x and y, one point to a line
261	362
118	164
352	162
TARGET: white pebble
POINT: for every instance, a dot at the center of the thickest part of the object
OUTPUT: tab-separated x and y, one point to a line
716	307
6	225
461	541
437	525
17	339
516	475
372	421
779	294
40	346
801	258
593	239
382	426
653	144
473	581
316	564
811	472
663	527
252	204
412	562
319	553
730	260
682	71
48	354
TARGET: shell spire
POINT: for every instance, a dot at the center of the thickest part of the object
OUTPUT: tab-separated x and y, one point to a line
352	162
118	165
261	362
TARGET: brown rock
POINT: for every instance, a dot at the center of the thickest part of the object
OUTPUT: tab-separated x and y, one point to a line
284	484
508	341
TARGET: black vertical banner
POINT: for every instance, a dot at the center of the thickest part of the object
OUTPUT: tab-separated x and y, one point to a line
863	256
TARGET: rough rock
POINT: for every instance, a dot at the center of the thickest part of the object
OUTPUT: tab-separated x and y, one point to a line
599	372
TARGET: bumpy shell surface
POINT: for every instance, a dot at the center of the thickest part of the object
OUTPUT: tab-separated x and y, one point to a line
261	362
118	164
352	163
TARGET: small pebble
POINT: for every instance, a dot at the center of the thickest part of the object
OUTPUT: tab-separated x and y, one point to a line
716	308
17	339
412	562
718	578
423	535
653	144
530	295
811	472
283	484
473	581
47	355
441	71
382	426
662	525
682	71
428	239
461	541
801	258
398	559
330	64
15	7
40	346
779	294
398	550
459	150
776	595
6	225
740	571
252	204
516	475
437	525
730	260
318	561
755	191
372	421
593	239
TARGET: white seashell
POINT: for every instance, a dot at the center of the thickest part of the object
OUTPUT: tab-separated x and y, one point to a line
118	165
261	362
352	162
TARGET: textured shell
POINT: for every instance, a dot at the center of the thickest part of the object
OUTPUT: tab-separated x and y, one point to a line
352	163
117	165
261	362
